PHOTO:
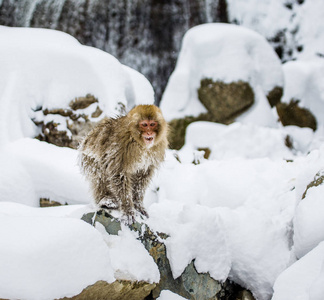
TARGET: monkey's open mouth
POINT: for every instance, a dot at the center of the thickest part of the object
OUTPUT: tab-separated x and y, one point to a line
149	141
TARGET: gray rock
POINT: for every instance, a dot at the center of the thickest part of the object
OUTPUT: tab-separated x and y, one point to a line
111	224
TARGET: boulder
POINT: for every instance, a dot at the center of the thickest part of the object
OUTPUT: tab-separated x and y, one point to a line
224	73
224	69
303	95
225	101
275	95
292	114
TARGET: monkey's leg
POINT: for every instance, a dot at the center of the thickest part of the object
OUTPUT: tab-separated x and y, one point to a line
141	181
138	204
103	195
123	186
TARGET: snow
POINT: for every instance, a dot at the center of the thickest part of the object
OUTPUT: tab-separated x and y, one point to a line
310	34
39	173
52	244
128	256
238	215
298	24
227	53
262	19
225	141
228	215
308	221
304	279
39	251
167	295
188	228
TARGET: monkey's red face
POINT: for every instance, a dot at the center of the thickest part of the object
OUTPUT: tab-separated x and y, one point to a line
148	130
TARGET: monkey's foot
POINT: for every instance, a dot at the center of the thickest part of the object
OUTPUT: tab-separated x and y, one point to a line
128	219
141	210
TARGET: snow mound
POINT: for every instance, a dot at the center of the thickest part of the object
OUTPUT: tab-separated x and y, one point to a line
189	225
129	259
244	140
41	170
47	68
232	216
226	53
45	245
304	81
309	221
304	279
50	250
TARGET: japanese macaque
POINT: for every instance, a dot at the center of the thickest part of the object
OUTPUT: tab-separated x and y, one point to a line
119	157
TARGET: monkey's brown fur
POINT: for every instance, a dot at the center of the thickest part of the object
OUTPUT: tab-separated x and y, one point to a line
118	163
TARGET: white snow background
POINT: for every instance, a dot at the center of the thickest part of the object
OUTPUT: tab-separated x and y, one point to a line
240	214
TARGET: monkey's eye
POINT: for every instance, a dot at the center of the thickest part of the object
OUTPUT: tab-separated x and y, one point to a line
152	124
144	124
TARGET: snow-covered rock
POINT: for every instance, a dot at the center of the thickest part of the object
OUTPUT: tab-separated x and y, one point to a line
225	53
304	81
43	68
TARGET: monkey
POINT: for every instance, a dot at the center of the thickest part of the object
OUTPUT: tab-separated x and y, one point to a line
119	157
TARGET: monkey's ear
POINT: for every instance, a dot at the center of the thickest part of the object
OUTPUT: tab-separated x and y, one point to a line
159	115
135	116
